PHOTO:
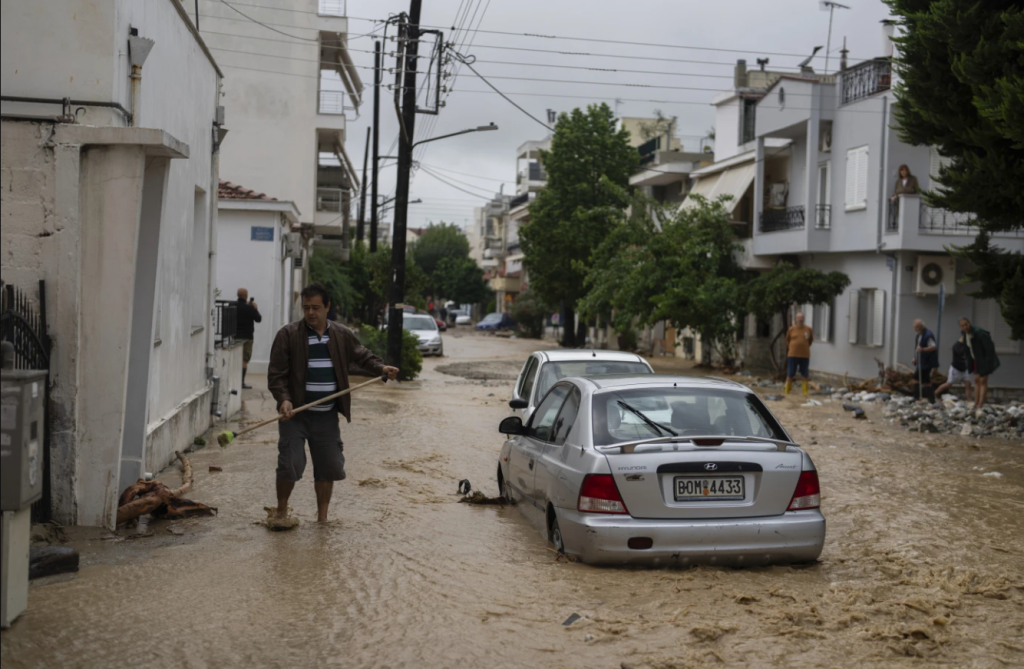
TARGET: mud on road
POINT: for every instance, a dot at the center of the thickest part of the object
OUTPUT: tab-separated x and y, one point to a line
922	566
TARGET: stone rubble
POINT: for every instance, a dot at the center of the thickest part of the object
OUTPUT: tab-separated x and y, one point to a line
948	416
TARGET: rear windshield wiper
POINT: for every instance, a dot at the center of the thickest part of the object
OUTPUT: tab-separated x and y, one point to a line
658	427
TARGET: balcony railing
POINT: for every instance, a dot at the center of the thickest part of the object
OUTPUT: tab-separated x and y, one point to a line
944	222
518	200
225	322
790	218
823	217
892	221
332	102
328	199
333	8
866	79
534	173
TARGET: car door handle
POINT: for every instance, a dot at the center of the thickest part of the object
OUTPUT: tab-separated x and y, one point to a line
531	463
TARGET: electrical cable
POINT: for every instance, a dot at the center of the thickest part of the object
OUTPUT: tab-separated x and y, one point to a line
458	188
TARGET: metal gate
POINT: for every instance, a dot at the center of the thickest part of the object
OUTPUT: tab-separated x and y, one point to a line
24	327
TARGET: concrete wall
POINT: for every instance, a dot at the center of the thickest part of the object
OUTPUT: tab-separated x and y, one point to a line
227	364
259	267
727	129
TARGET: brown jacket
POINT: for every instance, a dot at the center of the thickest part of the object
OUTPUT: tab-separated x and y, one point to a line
289	359
909	189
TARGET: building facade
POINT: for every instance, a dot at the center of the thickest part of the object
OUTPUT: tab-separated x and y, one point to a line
110	127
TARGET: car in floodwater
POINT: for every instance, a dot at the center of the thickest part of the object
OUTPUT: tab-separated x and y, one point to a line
662	470
424	326
496	321
544	369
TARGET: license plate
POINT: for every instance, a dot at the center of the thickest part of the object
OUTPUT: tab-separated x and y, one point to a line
694	488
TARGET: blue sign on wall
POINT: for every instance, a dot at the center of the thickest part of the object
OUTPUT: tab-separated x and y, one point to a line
260	234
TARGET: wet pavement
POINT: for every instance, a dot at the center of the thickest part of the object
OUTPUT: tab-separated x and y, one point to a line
923	563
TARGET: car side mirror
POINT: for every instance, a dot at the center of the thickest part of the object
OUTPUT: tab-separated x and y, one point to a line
512	425
518	403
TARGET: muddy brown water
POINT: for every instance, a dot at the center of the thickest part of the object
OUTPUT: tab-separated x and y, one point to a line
922	566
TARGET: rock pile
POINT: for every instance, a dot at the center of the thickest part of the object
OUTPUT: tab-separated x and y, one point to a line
949	416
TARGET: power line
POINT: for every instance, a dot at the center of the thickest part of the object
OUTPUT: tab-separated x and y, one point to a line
447	183
467	174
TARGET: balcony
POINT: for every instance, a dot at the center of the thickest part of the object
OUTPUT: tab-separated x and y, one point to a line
331	103
534	173
865	80
823	217
333	8
331	204
789	218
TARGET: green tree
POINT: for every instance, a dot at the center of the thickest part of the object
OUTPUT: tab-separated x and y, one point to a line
459	278
961	63
436	243
577	209
776	290
378	270
530	314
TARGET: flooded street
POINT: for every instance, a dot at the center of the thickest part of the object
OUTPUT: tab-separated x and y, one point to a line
923	563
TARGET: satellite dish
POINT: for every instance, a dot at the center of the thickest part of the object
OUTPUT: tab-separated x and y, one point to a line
931	274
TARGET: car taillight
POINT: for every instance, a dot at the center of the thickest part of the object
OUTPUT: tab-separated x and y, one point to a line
598	494
807	494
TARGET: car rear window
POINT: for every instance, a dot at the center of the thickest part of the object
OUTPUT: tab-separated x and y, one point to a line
418	323
553	372
684	411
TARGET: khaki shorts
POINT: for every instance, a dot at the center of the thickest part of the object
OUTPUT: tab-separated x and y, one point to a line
323	434
246	350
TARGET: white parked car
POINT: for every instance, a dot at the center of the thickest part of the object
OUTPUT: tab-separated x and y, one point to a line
544	369
425	327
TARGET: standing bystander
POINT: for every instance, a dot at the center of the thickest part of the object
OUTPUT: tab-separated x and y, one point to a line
799	338
959	370
926	353
983	350
311	359
247	315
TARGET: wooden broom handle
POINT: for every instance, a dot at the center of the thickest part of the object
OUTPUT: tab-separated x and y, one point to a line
382	377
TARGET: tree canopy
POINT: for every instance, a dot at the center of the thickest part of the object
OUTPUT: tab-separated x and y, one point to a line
588	167
962	90
461	280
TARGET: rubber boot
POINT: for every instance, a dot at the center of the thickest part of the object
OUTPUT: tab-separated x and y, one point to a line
789	386
804	385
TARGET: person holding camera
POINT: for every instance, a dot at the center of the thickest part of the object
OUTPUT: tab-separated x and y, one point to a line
247	315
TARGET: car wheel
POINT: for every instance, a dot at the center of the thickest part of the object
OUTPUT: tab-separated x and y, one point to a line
556	536
504	489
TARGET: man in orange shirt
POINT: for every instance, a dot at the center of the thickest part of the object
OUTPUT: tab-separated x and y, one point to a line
799	338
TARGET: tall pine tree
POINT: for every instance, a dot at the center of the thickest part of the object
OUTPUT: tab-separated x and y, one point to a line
962	68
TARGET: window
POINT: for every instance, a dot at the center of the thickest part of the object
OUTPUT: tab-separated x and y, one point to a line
987	316
529	376
825	183
199	264
867	317
567	417
748	125
819	317
857	178
542	424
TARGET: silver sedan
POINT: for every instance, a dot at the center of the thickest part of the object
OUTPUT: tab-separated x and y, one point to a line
669	470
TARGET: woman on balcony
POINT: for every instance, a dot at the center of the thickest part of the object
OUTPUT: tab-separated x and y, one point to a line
906	184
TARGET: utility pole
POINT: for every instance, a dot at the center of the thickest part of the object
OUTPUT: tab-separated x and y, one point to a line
376	145
360	228
409	36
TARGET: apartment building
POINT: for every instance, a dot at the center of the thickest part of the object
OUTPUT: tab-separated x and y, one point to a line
111	123
288	99
812	173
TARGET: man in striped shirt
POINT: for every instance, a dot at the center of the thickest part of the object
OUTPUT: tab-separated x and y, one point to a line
311	359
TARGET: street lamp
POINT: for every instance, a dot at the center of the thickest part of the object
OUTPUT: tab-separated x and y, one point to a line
479	128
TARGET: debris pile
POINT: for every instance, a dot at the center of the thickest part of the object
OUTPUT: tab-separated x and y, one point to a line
948	416
895	381
155	498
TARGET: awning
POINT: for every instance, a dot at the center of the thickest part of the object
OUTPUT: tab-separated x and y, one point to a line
734	181
705	187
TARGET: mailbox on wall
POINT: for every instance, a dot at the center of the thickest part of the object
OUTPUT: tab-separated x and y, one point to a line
22	393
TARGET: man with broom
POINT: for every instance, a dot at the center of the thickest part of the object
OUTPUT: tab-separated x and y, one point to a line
311	359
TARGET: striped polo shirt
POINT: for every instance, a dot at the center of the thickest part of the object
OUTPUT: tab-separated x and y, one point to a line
320	378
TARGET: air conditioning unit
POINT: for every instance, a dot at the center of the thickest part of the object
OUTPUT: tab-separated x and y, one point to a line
826	139
292	245
932	272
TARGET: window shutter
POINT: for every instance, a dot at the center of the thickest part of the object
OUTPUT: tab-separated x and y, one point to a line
853	316
862	177
808	310
828	182
824	330
878	318
851	178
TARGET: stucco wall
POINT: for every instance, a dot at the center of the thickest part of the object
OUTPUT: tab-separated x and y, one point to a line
727	129
258	267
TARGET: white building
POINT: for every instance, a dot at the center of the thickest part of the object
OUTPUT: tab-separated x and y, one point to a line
287	98
258	250
812	170
108	195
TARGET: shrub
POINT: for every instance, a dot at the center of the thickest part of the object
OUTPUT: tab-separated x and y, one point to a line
377	341
530	313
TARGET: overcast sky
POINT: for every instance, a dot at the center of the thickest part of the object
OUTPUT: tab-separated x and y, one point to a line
724	31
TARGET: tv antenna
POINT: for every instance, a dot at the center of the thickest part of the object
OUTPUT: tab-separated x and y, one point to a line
831	7
807	61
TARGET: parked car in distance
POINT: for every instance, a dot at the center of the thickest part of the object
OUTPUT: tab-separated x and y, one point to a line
496	321
662	470
463	319
544	369
441	325
424	326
